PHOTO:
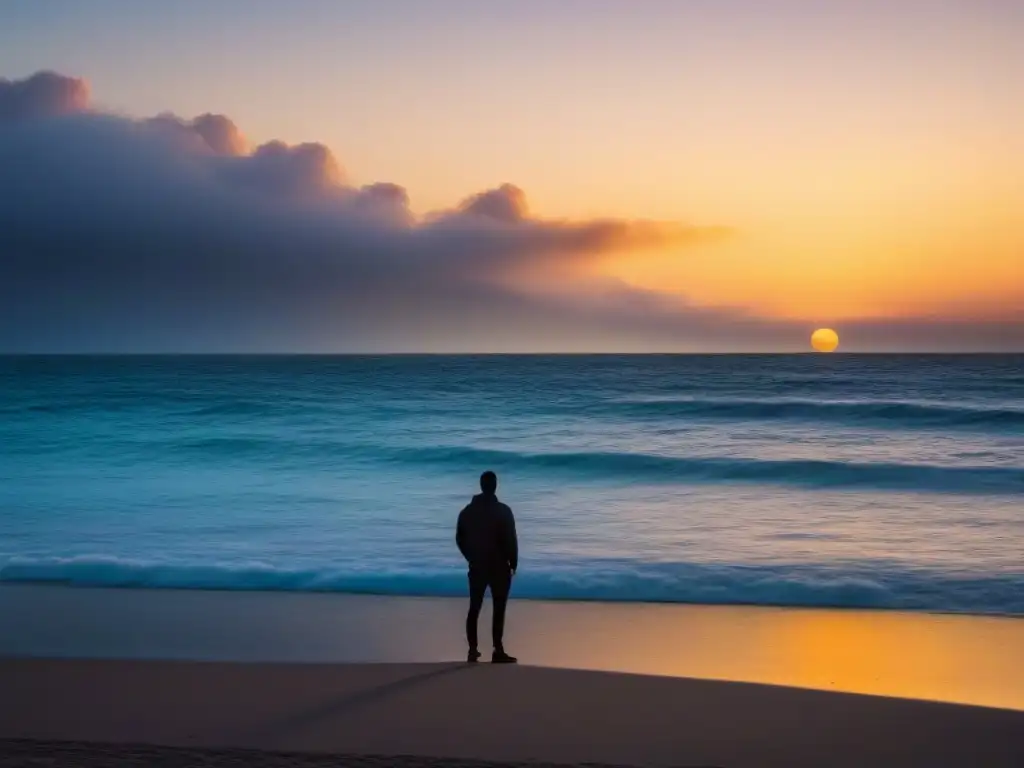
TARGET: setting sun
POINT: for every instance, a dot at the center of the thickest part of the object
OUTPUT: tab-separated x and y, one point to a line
825	340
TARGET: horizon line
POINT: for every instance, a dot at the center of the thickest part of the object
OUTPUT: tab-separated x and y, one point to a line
809	353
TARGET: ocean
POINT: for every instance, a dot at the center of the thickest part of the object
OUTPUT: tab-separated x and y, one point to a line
881	481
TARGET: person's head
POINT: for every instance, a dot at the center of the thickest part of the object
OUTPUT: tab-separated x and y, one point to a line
489	482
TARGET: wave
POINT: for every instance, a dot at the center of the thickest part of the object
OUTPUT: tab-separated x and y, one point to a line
794	472
885	414
869	585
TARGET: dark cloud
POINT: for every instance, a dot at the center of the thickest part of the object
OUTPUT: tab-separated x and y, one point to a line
45	94
278	169
170	234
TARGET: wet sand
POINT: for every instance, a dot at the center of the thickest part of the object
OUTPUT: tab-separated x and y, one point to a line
962	659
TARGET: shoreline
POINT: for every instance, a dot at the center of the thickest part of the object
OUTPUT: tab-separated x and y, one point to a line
56	584
955	658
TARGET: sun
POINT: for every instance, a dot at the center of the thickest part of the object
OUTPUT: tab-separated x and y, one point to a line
825	340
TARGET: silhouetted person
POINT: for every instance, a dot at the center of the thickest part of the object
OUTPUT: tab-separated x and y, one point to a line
486	535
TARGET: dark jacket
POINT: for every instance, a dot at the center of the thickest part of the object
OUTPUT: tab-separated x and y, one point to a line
486	534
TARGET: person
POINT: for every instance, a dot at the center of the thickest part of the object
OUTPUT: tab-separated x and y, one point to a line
486	537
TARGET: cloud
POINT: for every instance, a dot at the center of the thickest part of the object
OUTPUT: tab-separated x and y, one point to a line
214	133
169	234
507	203
45	94
116	231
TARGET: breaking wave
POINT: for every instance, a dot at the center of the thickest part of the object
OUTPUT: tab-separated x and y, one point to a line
852	586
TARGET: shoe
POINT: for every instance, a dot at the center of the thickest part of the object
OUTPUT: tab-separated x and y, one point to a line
473	656
500	657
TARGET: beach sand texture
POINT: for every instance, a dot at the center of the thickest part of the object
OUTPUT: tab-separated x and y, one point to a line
480	712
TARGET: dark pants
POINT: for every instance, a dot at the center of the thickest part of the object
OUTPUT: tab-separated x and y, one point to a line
499	580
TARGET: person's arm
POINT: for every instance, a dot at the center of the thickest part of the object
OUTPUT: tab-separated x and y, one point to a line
460	534
511	541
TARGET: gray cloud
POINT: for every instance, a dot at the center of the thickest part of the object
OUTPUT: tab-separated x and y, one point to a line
45	94
169	234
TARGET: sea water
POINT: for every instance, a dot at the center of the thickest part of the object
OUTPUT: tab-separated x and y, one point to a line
844	480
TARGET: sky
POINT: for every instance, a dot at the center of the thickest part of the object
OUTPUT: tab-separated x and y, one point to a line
581	175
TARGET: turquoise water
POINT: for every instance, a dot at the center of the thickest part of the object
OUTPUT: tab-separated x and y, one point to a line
882	481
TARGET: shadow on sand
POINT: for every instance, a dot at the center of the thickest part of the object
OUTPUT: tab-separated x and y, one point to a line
280	728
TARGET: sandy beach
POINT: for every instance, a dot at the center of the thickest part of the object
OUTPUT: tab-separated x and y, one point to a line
490	713
97	677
